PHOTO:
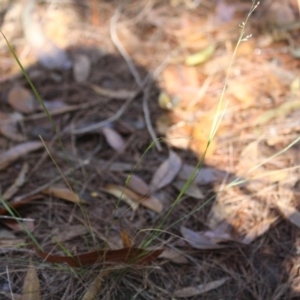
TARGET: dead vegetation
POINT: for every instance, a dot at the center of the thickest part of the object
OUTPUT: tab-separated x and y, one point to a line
133	89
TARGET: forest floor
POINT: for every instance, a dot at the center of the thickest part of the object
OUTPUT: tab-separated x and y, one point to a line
133	88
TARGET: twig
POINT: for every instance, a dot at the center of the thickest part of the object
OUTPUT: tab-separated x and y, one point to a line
135	74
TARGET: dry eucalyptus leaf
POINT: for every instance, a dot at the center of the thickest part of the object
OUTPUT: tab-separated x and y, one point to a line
166	172
16	152
8	126
114	139
201	56
174	256
203	176
21	100
198	240
69	233
119	193
63	193
200	289
31	286
81	68
120	94
193	190
19	181
138	185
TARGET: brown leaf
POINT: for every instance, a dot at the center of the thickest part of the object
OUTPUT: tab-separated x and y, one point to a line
16	152
19	181
94	288
69	233
138	185
166	172
121	94
174	256
114	139
31	286
8	126
193	190
24	226
81	67
125	255
133	199
200	289
125	239
198	240
63	193
119	192
21	100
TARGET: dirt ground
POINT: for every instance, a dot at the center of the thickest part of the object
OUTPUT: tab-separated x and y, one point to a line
133	88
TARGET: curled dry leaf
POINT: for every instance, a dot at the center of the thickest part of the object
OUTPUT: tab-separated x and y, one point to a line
125	239
21	100
200	289
193	190
199	240
201	56
16	152
31	286
166	172
63	193
81	68
120	94
17	183
114	139
119	192
138	185
133	199
8	126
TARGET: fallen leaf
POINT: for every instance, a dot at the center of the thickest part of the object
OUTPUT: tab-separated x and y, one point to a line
258	230
19	181
200	57
81	68
198	240
69	233
125	239
290	213
63	193
119	193
193	190
16	152
93	290
114	139
204	175
138	185
21	100
200	289
8	126
166	172
120	94
31	286
18	225
8	240
125	255
133	199
174	256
